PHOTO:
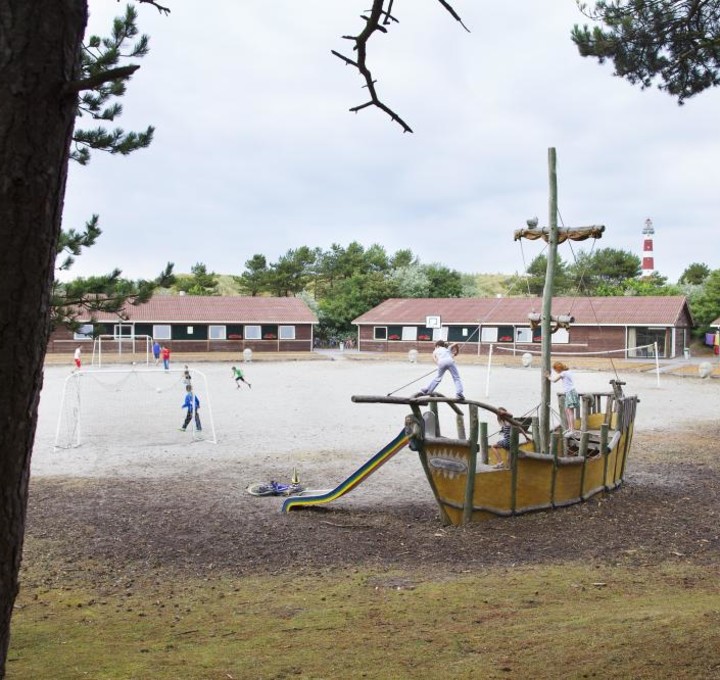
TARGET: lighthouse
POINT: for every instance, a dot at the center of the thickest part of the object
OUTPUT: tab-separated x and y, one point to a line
648	262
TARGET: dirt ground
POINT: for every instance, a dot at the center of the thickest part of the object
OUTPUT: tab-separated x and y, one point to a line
185	507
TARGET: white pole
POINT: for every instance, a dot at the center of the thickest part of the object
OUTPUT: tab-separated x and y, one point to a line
207	401
657	363
487	379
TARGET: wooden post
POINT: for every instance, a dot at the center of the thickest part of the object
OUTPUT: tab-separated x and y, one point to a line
422	455
484	448
564	425
585	403
584	438
472	464
583	454
609	409
620	458
434	409
554	451
460	423
604	429
514	437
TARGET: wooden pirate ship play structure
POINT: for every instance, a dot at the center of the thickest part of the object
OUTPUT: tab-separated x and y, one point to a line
472	481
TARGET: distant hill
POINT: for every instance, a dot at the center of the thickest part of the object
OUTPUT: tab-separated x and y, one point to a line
490	285
226	285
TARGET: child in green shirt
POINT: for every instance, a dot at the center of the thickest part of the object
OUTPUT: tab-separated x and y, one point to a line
238	376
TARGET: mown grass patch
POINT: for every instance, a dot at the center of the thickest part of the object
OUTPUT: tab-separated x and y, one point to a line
532	622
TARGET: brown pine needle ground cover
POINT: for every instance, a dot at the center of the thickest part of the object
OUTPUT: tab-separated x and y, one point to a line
178	573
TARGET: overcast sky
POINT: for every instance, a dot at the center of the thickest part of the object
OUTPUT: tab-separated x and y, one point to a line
255	150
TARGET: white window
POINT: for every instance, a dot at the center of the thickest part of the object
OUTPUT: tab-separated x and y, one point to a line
440	333
409	333
84	332
217	332
162	332
252	332
560	336
286	332
190	330
489	334
523	335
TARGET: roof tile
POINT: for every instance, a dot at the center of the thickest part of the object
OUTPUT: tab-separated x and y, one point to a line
640	310
216	309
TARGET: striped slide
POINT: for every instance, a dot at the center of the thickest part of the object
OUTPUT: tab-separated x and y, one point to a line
316	497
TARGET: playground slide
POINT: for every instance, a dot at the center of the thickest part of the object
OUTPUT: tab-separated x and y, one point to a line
315	497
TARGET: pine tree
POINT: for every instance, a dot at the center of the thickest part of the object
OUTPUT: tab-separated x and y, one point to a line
675	45
43	74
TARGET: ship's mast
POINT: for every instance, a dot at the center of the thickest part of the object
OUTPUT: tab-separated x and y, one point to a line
545	318
549	323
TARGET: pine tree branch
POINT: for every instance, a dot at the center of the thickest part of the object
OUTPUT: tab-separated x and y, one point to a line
120	73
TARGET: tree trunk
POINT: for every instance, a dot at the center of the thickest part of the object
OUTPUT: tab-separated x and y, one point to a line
40	43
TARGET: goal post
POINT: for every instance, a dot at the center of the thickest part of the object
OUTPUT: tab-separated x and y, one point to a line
137	407
133	348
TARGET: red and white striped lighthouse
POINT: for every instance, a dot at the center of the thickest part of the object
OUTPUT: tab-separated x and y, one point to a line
648	262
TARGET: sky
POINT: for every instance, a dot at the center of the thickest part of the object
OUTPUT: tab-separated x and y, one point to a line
255	149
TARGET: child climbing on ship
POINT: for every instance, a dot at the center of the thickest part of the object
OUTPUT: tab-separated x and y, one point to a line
503	444
444	356
572	400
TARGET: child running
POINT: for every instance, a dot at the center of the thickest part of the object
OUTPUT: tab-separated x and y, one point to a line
572	400
238	376
444	357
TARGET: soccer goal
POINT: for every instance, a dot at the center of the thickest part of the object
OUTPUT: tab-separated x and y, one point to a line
130	348
141	407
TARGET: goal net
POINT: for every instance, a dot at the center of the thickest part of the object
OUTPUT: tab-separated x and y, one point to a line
124	348
139	407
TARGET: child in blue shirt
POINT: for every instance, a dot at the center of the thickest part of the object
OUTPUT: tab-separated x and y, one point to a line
192	404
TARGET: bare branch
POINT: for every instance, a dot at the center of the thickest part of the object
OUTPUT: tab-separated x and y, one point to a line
160	8
120	73
344	58
453	13
379	16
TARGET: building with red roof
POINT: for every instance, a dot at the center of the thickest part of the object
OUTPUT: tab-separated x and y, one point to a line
630	325
197	323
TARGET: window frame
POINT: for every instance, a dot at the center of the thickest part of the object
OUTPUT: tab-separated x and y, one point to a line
252	332
157	335
409	334
282	330
524	335
221	331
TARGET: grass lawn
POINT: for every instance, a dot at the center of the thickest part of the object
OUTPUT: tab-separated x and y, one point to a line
568	621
